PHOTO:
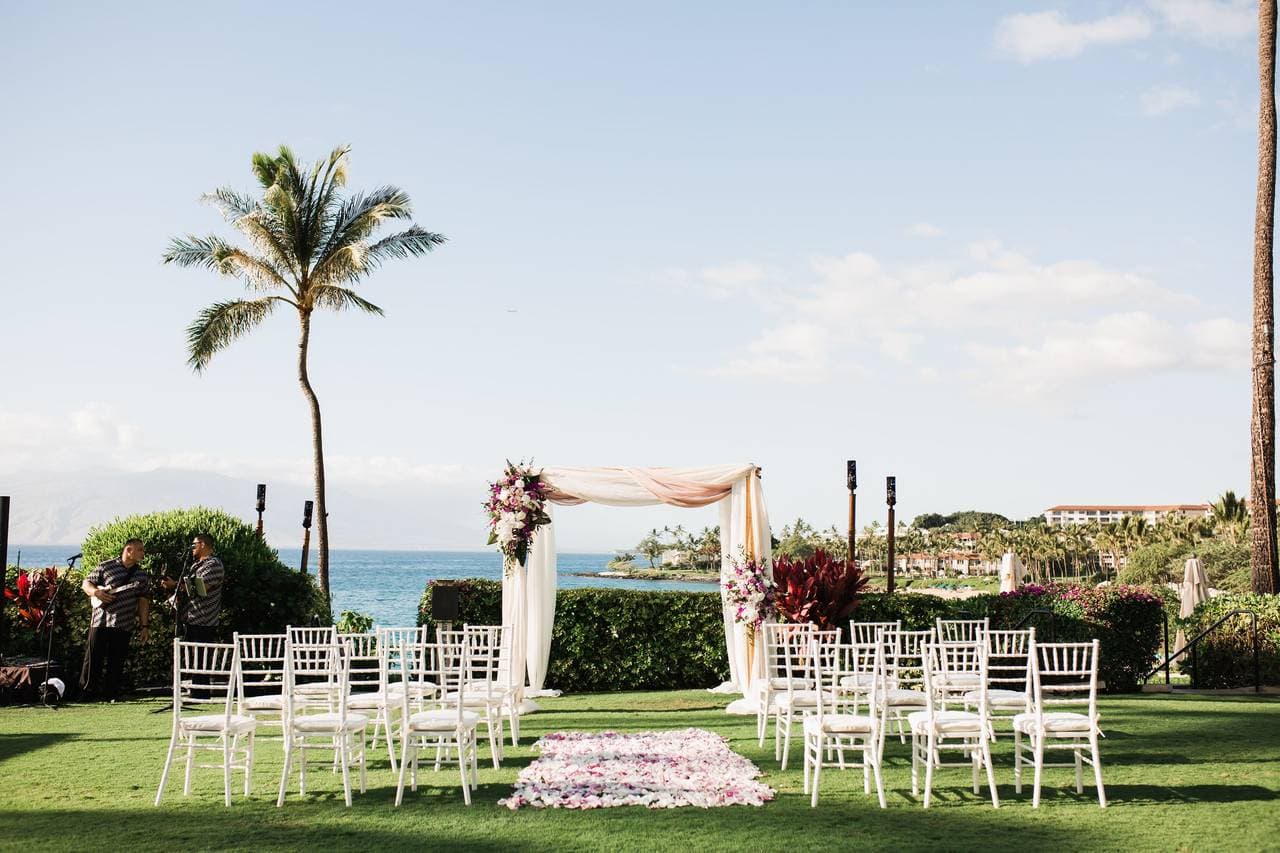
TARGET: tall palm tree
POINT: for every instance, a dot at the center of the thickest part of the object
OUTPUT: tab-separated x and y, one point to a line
309	245
1262	491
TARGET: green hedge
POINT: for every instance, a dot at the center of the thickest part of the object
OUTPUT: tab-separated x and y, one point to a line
261	594
605	639
615	639
1224	658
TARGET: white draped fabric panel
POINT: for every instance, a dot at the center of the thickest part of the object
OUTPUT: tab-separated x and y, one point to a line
744	528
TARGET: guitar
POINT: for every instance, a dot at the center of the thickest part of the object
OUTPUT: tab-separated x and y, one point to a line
97	602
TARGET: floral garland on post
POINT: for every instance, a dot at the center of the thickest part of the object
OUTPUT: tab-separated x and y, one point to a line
750	593
517	507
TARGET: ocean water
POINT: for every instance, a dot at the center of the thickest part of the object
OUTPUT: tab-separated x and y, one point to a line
388	584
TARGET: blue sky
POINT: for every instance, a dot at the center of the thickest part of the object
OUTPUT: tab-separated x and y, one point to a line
1001	250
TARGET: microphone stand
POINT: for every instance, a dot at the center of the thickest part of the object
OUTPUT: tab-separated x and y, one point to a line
178	625
49	614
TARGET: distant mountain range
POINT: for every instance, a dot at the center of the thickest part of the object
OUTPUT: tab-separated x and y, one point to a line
59	508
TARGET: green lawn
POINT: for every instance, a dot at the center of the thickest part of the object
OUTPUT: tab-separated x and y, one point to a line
1182	774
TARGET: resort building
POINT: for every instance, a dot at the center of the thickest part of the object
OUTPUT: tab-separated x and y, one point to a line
1066	514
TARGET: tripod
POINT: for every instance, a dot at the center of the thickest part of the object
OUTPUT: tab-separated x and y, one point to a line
49	695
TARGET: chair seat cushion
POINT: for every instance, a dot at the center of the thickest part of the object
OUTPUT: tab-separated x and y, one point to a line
958	680
839	724
899	697
367	701
217	723
1002	699
416	688
862	679
329	722
444	720
947	722
782	683
800	699
1056	721
478	695
264	703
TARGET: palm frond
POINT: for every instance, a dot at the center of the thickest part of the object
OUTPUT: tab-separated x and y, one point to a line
410	243
221	323
356	219
341	298
231	204
193	251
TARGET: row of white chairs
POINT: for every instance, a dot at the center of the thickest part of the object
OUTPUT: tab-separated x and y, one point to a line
947	689
330	691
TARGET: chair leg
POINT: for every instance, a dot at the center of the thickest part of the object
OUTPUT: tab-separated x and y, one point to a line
1037	743
928	770
248	764
915	764
168	762
284	777
363	762
875	767
1097	769
991	776
191	760
463	770
786	740
1017	760
405	737
817	774
344	752
975	760
226	769
1079	745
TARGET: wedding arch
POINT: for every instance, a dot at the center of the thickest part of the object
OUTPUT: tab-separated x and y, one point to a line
529	590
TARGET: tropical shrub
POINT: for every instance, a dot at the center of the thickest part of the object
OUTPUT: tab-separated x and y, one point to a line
354	622
820	589
1225	560
615	639
605	639
1224	658
260	595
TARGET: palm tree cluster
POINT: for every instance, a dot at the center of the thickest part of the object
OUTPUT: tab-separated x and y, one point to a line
309	244
699	551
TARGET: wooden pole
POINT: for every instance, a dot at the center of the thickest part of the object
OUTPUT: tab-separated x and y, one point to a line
891	498
4	562
851	479
306	532
262	505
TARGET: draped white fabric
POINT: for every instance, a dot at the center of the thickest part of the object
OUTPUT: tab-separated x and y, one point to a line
1011	571
744	526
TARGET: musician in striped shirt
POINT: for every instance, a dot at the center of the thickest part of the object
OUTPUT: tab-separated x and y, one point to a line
202	614
121	594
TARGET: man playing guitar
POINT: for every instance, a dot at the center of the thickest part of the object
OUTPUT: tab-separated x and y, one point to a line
120	593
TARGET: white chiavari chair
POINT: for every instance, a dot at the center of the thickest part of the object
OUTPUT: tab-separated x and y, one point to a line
802	694
367	686
317	715
451	728
1008	674
206	674
835	727
777	639
935	729
902	678
1062	675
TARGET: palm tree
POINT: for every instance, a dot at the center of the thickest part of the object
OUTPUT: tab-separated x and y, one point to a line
1230	516
309	245
1262	491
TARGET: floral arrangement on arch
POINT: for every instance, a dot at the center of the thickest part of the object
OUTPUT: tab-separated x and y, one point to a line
750	593
517	507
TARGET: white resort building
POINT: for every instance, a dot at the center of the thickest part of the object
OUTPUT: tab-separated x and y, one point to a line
1066	514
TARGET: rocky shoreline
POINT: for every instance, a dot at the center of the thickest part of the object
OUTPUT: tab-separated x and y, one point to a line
653	575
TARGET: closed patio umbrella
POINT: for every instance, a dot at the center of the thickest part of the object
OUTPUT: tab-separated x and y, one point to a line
1010	572
1194	589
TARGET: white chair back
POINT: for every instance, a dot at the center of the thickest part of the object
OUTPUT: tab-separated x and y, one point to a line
366	663
315	677
1009	659
863	633
205	674
262	662
785	647
962	630
312	636
904	659
1065	674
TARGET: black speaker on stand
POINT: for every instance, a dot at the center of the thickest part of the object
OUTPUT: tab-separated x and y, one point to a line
444	605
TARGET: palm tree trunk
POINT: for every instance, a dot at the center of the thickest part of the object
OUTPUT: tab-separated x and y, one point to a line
317	445
1263	422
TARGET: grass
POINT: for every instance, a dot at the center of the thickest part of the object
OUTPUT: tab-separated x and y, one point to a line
1182	773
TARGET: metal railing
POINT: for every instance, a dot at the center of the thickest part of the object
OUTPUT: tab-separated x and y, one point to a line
1193	644
1040	611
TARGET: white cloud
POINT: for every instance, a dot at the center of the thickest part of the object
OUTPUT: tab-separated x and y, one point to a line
995	319
1166	99
1033	36
1212	21
924	229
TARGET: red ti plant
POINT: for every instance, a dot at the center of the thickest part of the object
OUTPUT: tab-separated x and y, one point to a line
32	592
820	589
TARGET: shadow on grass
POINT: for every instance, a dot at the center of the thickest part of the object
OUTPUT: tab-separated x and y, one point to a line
13	745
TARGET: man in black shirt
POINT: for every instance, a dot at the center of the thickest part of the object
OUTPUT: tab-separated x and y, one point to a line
120	592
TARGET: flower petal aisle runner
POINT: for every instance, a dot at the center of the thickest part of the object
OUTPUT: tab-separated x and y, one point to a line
661	770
